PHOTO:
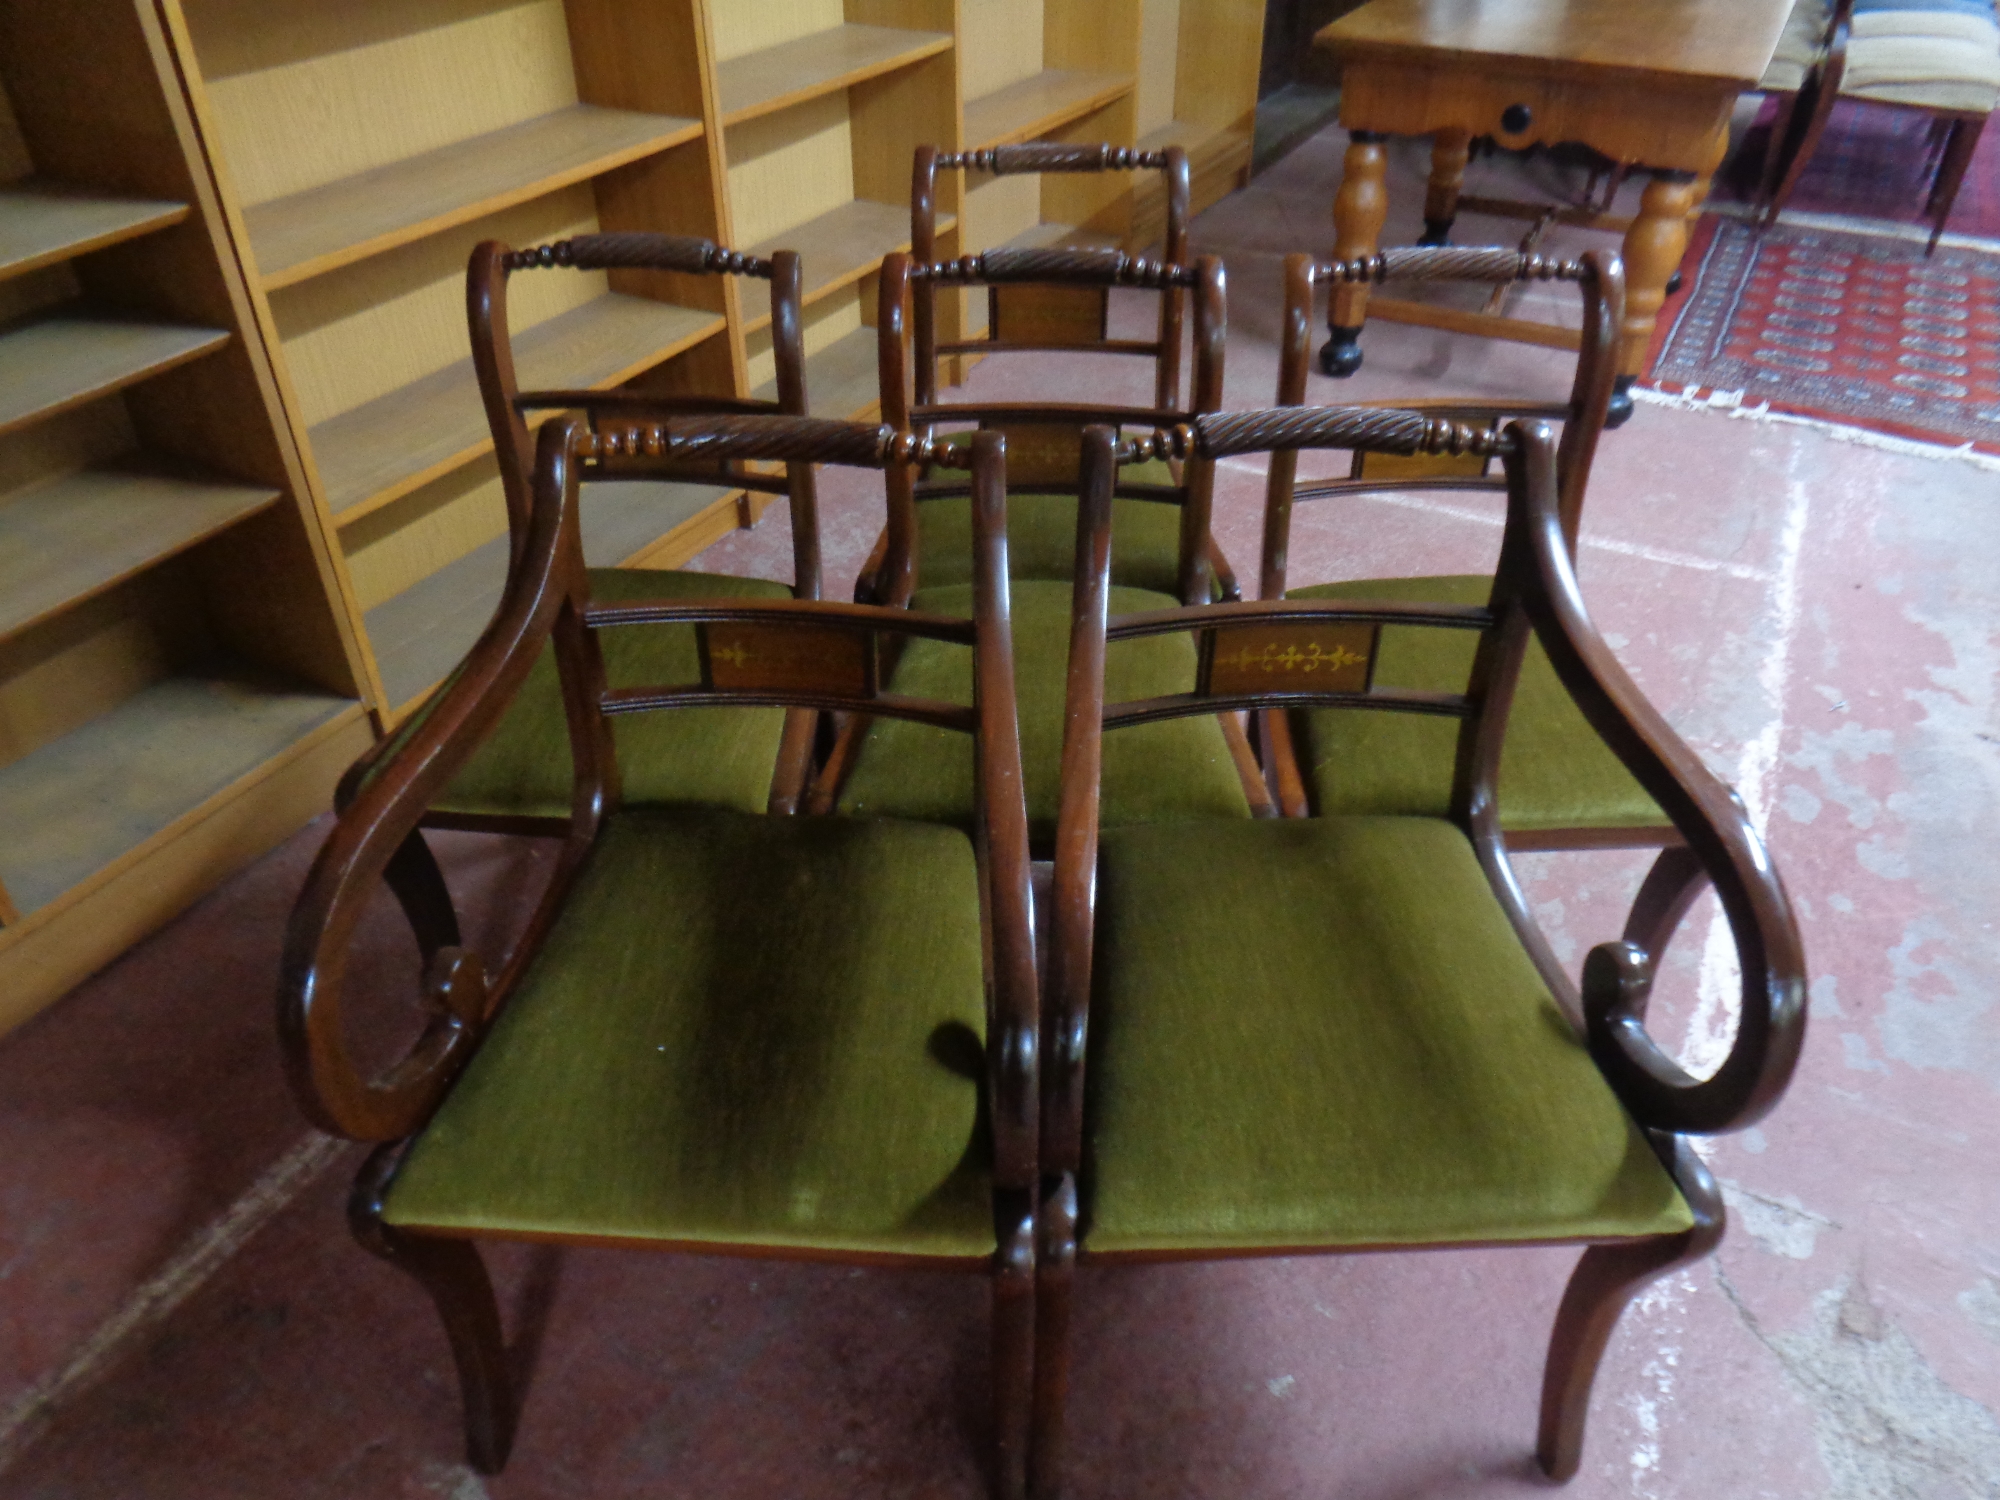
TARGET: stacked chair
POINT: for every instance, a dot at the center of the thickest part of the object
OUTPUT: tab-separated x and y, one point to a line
898	769
786	993
517	780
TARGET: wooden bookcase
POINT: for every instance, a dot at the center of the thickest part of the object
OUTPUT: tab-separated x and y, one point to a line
359	151
179	684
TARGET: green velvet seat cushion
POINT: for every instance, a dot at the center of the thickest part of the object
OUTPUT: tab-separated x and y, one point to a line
1554	770
710	757
1324	1033
1041	534
1181	768
743	1029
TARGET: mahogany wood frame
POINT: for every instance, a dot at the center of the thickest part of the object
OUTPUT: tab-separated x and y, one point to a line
1047	156
378	837
1534	589
891	572
1802	117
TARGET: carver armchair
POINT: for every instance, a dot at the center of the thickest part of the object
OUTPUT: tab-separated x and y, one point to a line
720	1032
1342	1033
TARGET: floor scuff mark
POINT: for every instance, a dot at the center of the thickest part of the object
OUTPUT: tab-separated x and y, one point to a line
1888	1427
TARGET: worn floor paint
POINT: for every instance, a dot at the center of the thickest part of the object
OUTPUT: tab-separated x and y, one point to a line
1816	617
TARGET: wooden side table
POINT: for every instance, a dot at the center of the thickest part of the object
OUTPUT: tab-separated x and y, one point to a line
1650	87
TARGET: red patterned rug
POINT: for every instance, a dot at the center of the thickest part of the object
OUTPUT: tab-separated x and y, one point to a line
1857	329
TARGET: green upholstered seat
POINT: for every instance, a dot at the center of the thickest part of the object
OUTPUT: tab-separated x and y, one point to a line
1324	1033
1554	771
1181	768
711	757
743	1029
1041	535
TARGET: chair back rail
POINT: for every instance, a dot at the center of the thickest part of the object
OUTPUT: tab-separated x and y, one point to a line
1049	156
1599	276
1534	590
546	600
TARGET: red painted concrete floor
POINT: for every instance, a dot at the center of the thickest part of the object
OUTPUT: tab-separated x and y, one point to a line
182	1313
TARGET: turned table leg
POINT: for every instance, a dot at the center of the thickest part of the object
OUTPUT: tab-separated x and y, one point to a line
1704	180
1449	150
1358	211
1652	252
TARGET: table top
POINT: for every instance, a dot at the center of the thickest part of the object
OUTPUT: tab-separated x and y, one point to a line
1674	42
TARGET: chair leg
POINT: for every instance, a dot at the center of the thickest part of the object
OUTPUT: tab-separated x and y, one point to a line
1013	1346
1605	1280
1958	149
1816	102
1055	1282
1774	150
454	1275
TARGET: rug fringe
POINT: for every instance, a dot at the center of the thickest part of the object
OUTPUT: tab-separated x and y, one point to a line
1730	404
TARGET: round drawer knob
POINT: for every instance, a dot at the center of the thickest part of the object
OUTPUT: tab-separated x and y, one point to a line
1516	118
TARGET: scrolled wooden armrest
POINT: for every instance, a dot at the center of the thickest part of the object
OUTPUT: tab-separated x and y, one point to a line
1617	976
375	839
1015	1046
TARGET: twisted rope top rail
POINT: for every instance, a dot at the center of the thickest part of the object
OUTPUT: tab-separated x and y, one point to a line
1085	267
655	252
1216	435
1451	263
1048	157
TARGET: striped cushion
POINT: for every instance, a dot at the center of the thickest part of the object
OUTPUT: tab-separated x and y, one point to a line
1939	72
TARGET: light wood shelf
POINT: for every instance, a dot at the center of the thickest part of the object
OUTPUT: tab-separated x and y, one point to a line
420	634
1039	105
42	223
1047	236
387	447
74	537
306	234
792	72
59	362
841	378
839	247
626	520
82	802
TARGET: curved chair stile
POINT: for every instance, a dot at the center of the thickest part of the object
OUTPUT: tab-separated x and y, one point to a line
452	1165
1135	910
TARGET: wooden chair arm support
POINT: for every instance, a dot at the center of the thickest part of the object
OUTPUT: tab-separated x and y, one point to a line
1014	1008
1617	976
1067	1004
375	838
